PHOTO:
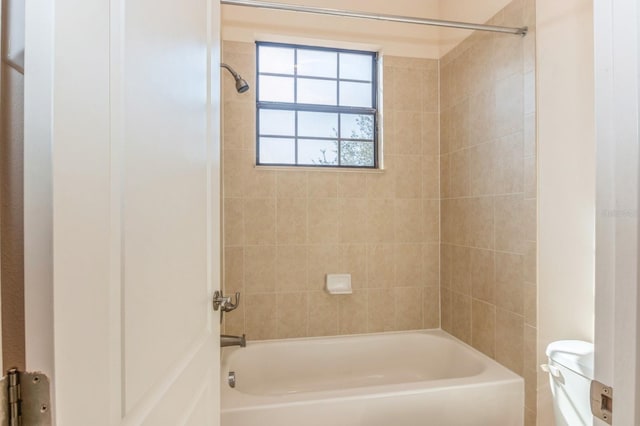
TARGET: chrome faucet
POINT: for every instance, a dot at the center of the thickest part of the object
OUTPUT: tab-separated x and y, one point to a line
224	303
227	340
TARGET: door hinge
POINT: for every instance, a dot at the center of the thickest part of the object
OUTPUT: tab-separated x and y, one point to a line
602	401
25	398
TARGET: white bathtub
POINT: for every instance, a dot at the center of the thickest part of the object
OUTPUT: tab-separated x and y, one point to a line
390	379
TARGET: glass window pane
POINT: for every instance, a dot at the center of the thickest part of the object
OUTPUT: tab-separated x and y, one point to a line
356	154
278	60
277	151
317	152
319	92
317	124
330	133
355	94
354	126
276	89
356	67
317	63
276	122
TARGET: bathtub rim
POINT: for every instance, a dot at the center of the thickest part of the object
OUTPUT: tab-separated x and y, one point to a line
493	374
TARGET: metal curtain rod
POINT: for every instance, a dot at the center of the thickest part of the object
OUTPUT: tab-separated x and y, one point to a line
379	17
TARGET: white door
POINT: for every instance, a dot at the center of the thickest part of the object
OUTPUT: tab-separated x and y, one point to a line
135	184
617	38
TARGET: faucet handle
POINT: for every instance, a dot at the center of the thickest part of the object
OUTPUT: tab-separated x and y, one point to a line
230	306
219	300
224	302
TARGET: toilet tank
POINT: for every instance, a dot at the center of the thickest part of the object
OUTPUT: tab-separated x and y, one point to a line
570	371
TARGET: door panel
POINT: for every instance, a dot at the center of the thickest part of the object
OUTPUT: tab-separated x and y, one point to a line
186	396
166	211
136	212
164	208
617	341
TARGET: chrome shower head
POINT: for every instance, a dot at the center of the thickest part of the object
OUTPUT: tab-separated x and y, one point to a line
241	84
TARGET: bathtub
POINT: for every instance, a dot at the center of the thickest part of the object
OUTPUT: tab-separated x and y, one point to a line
397	379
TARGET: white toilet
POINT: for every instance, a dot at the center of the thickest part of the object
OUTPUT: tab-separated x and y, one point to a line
570	371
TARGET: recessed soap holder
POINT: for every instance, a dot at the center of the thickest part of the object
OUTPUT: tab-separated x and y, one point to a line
338	284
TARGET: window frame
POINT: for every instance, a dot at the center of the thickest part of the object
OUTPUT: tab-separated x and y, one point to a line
336	109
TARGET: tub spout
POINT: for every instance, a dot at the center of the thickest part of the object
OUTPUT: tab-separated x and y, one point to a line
226	340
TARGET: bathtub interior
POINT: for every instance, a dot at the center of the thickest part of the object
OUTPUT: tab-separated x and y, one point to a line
294	366
408	378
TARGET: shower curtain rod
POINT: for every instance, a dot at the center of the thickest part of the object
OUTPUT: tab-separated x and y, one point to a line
379	17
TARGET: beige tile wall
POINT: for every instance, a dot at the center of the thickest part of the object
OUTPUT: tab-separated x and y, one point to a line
488	190
284	229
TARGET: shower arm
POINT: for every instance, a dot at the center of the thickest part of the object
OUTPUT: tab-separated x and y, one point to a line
241	84
231	70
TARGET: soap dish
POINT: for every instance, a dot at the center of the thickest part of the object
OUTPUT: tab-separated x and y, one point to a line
339	284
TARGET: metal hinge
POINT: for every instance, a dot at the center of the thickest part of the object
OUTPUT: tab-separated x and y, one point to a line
602	401
25	398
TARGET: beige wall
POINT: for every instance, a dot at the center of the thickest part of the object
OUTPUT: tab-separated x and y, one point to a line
466	11
11	218
284	229
566	135
488	184
488	188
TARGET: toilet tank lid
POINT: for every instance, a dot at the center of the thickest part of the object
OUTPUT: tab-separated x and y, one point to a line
575	355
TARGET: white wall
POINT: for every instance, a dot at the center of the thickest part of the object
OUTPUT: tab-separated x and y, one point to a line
465	11
566	176
38	216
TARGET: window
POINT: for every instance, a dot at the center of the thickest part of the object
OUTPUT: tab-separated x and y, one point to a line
316	106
